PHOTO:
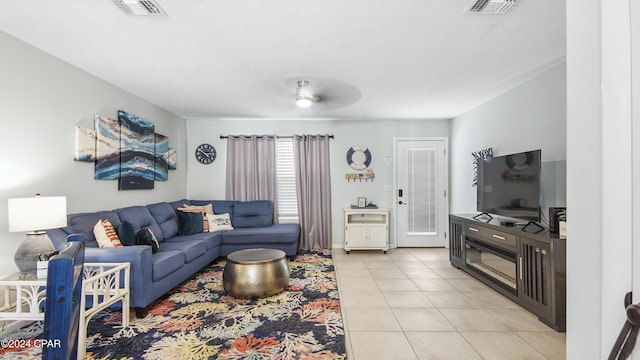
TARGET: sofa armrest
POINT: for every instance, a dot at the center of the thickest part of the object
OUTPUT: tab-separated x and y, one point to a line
139	258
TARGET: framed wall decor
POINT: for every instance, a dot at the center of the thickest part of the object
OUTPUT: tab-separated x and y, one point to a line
137	152
205	154
161	164
107	164
126	149
172	159
358	157
85	146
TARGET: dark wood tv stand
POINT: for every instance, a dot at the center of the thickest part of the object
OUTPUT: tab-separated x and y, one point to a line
538	280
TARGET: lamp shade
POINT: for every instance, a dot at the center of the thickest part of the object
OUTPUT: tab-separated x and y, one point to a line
37	213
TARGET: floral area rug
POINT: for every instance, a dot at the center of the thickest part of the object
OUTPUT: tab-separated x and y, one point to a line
198	320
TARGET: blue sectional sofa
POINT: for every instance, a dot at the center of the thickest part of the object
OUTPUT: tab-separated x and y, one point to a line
178	257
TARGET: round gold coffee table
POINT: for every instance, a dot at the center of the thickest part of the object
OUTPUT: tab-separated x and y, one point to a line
255	273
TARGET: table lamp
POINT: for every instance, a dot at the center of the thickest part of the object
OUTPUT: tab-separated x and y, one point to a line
34	215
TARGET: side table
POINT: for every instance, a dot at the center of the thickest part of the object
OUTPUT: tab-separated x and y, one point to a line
23	295
103	285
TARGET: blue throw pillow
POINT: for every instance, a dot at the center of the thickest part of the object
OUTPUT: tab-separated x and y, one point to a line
189	223
127	234
146	237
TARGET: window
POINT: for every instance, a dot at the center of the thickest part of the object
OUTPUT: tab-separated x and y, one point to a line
286	182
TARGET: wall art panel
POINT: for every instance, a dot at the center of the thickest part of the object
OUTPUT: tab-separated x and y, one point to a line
172	159
85	145
137	152
107	164
162	167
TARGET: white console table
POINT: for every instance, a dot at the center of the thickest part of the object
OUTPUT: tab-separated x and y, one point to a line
366	229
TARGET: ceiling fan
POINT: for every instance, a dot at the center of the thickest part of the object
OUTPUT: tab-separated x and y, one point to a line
322	93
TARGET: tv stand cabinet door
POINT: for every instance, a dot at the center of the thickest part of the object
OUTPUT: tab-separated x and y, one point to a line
535	276
456	243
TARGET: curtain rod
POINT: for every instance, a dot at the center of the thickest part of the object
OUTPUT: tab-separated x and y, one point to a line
261	136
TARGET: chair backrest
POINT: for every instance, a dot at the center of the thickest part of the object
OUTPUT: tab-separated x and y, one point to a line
62	308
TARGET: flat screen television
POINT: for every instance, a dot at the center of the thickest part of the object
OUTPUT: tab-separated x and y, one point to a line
510	185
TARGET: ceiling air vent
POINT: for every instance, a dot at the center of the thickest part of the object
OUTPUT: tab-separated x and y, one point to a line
140	7
491	7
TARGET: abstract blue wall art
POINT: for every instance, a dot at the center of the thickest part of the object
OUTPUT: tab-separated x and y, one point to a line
127	149
85	146
107	163
172	159
162	167
137	152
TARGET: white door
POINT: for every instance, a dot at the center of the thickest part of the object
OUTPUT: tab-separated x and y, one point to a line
420	187
635	155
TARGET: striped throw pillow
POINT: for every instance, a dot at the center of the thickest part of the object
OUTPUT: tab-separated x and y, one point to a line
200	209
106	235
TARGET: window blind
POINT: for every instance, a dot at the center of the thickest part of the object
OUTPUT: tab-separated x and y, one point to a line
286	182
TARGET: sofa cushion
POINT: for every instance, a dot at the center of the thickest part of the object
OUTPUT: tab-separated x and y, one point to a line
127	234
165	262
189	223
165	216
211	239
251	214
140	217
192	249
274	234
83	224
222	206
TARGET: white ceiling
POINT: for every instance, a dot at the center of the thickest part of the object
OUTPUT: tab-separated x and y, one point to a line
371	59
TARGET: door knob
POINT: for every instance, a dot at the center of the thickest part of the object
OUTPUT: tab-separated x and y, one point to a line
402	203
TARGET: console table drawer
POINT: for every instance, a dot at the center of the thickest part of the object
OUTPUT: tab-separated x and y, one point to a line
499	238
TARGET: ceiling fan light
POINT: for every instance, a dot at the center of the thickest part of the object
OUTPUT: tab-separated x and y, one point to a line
304	101
304	96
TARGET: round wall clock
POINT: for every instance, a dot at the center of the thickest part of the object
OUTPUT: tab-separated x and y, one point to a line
358	157
205	153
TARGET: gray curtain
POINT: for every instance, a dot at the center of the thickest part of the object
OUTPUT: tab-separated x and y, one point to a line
251	168
313	182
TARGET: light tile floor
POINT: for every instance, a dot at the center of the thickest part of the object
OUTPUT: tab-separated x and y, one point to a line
412	304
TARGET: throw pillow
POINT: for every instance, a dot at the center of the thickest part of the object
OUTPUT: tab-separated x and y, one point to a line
127	234
106	235
197	209
146	237
189	223
219	222
207	208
